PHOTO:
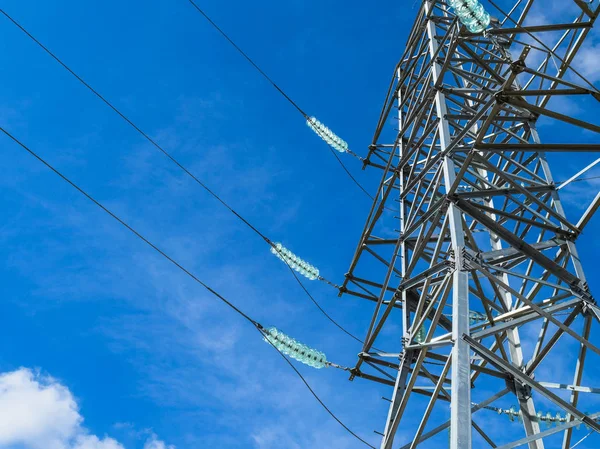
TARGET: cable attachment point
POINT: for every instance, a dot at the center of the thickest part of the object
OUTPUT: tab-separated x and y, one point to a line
518	66
521	390
500	97
335	365
328	282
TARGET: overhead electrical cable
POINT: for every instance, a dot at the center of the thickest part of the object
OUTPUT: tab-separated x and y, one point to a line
249	59
322	403
293	267
334	142
266	332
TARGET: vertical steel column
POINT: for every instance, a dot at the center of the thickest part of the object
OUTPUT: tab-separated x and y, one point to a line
526	404
460	407
400	385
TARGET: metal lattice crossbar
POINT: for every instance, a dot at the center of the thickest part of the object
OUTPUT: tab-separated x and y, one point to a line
482	229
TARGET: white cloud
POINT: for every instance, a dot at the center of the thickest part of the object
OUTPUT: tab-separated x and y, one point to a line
93	442
271	437
37	412
588	61
154	443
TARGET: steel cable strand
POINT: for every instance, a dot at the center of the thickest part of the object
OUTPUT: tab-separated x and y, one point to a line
122	222
169	156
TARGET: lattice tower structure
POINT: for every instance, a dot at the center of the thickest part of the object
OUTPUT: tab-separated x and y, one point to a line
479	228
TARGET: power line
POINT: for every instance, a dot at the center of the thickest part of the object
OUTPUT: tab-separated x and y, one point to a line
249	59
179	165
280	90
288	98
335	323
358	184
318	399
130	228
122	222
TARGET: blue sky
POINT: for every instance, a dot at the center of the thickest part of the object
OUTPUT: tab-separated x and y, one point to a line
133	351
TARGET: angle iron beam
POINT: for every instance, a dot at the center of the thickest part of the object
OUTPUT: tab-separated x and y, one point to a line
525	379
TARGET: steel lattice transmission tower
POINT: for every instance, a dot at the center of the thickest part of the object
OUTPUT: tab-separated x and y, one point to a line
484	252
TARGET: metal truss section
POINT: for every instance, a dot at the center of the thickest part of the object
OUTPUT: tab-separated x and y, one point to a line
481	255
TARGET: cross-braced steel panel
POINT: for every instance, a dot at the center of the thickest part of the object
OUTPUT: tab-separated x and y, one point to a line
484	251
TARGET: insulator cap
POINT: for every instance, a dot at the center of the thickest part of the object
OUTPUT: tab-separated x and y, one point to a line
472	14
540	416
294	349
420	335
327	135
297	264
476	317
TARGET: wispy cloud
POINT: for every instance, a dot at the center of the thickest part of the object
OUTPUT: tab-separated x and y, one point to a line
194	356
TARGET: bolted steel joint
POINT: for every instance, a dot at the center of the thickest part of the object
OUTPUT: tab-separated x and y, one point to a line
404	342
521	391
500	98
518	66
